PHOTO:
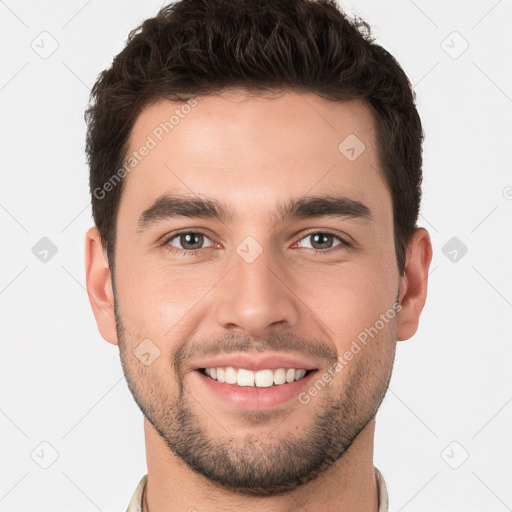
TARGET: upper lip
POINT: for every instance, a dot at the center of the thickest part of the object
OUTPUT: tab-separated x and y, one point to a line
256	362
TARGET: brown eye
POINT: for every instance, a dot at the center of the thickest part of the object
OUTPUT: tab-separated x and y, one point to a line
190	241
322	241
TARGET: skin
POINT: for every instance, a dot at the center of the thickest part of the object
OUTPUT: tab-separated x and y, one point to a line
253	153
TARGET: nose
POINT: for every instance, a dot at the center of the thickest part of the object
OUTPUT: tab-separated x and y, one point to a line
257	297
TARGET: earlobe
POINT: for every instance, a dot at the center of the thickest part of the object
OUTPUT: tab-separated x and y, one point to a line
99	286
413	287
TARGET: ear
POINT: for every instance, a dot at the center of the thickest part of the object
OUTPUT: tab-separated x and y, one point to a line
413	285
99	286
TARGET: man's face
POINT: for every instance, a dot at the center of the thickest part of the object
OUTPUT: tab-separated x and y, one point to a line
256	290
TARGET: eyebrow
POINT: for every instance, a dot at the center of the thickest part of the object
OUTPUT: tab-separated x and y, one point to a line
170	206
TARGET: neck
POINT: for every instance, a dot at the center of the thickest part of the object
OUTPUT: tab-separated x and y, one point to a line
349	484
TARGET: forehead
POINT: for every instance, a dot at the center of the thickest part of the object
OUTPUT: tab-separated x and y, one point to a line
254	151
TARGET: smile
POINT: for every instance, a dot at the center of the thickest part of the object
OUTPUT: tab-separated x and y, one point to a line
261	379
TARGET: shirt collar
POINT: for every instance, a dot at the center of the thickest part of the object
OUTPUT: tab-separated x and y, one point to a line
136	501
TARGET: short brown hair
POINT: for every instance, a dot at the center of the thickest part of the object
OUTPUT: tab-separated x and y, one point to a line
201	47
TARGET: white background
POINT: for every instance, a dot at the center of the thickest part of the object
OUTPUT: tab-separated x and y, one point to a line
62	384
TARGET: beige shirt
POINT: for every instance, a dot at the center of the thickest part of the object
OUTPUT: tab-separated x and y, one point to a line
136	501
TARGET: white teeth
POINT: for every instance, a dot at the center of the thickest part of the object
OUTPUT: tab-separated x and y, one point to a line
299	374
290	375
260	379
230	375
264	378
279	376
245	378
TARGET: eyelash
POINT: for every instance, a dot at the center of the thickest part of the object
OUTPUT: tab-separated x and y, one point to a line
345	244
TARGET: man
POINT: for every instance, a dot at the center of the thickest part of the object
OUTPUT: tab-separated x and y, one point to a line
255	171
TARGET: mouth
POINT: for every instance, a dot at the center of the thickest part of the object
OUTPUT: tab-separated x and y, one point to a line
261	390
253	381
264	378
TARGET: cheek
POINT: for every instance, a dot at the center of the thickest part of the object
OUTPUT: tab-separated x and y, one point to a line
155	298
347	298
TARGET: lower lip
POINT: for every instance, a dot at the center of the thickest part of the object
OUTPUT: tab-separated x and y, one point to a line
253	398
